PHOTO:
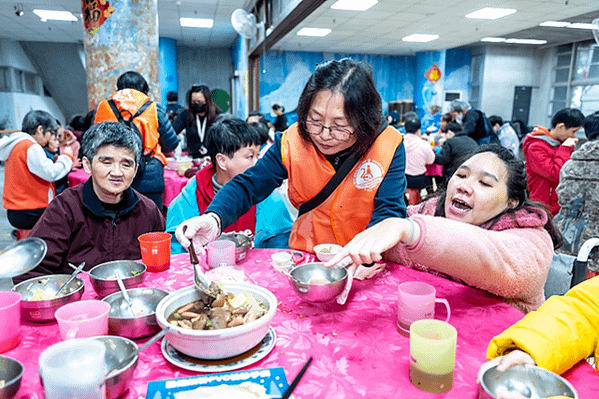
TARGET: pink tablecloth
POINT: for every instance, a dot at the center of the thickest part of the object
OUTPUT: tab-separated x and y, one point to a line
173	183
356	348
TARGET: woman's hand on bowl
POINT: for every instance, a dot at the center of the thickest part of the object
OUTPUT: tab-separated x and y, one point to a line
201	229
369	245
505	362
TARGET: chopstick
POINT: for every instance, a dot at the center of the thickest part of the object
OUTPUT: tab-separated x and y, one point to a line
296	380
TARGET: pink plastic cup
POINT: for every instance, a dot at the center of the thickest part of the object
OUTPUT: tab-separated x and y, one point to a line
155	251
83	319
416	301
10	316
220	253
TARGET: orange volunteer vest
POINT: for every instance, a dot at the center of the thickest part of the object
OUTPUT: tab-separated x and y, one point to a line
22	189
347	211
128	101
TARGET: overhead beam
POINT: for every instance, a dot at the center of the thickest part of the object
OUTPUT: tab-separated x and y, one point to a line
290	21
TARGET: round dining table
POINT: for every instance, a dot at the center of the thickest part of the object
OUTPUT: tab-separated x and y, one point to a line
356	349
173	183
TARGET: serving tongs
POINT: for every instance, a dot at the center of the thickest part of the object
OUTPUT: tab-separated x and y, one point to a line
201	281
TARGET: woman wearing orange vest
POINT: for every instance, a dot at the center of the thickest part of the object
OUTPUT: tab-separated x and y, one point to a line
339	119
29	175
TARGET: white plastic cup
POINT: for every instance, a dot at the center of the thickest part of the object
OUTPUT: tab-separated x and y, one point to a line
74	369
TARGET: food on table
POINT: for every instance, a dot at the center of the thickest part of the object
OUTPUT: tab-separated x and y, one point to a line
2	382
41	295
227	310
132	272
326	250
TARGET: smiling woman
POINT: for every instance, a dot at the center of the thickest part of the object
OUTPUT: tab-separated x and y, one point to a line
98	221
482	231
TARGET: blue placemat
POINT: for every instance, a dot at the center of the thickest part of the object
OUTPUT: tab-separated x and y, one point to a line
267	383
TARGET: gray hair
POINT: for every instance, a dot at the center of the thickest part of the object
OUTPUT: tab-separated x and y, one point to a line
110	133
36	118
458	106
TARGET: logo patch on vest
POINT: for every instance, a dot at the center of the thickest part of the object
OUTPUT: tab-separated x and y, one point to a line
369	175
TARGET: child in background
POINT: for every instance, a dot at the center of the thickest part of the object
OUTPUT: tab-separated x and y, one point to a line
233	148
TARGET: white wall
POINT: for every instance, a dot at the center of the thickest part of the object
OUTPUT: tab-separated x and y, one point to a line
12	55
506	67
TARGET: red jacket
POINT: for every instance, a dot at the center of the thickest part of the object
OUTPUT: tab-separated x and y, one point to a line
545	157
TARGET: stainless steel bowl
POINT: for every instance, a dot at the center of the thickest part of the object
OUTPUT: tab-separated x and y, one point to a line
103	276
217	344
124	323
43	310
117	349
315	283
11	371
242	242
530	381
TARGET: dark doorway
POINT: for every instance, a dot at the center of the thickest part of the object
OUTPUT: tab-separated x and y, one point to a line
522	96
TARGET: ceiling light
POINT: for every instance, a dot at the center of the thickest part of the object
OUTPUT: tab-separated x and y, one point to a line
46	15
196	22
419	37
579	25
491	13
354	5
313	32
493	39
526	41
555	24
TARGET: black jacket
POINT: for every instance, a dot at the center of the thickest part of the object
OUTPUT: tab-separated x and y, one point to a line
452	150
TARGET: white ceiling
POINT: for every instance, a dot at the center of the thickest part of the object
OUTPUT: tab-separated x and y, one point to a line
379	30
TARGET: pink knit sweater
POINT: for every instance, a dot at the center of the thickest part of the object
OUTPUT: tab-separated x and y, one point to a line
511	259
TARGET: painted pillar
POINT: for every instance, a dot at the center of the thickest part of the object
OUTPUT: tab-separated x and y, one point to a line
169	80
120	36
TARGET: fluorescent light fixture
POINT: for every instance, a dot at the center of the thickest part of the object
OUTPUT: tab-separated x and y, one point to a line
420	37
491	13
313	32
579	25
354	5
46	15
196	22
555	24
493	39
526	41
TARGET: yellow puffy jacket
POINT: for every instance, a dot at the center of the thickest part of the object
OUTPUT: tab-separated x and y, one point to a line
563	331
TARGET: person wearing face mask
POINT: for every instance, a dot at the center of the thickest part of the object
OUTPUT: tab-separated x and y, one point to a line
482	230
197	119
341	134
474	122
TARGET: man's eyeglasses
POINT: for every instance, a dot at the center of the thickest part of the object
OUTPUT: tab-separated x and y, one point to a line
337	132
53	132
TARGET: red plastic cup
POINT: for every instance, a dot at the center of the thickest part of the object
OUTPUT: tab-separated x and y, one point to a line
10	314
155	251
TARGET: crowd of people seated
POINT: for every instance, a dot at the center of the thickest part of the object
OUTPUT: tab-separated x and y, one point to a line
346	168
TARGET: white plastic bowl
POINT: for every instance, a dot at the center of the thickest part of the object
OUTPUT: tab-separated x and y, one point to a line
216	344
324	252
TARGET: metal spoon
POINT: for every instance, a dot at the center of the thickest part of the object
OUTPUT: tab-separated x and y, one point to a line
200	280
155	338
123	289
75	273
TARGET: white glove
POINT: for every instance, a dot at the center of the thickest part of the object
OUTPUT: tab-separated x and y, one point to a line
201	229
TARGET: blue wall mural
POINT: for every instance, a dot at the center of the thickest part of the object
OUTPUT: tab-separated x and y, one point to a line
239	94
284	75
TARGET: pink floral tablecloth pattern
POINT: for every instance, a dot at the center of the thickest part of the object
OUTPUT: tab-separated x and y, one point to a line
173	183
356	348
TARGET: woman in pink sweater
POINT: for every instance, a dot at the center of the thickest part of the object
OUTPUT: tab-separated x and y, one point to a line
482	231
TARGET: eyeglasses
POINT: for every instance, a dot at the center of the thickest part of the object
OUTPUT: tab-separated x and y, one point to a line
53	132
337	132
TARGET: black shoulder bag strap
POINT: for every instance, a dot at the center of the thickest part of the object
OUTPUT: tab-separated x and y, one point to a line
118	114
338	177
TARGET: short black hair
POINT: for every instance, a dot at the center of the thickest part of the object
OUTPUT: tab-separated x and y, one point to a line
77	122
494	119
262	130
362	101
172	96
591	126
412	125
133	80
261	117
570	117
277	106
227	135
454	127
36	118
